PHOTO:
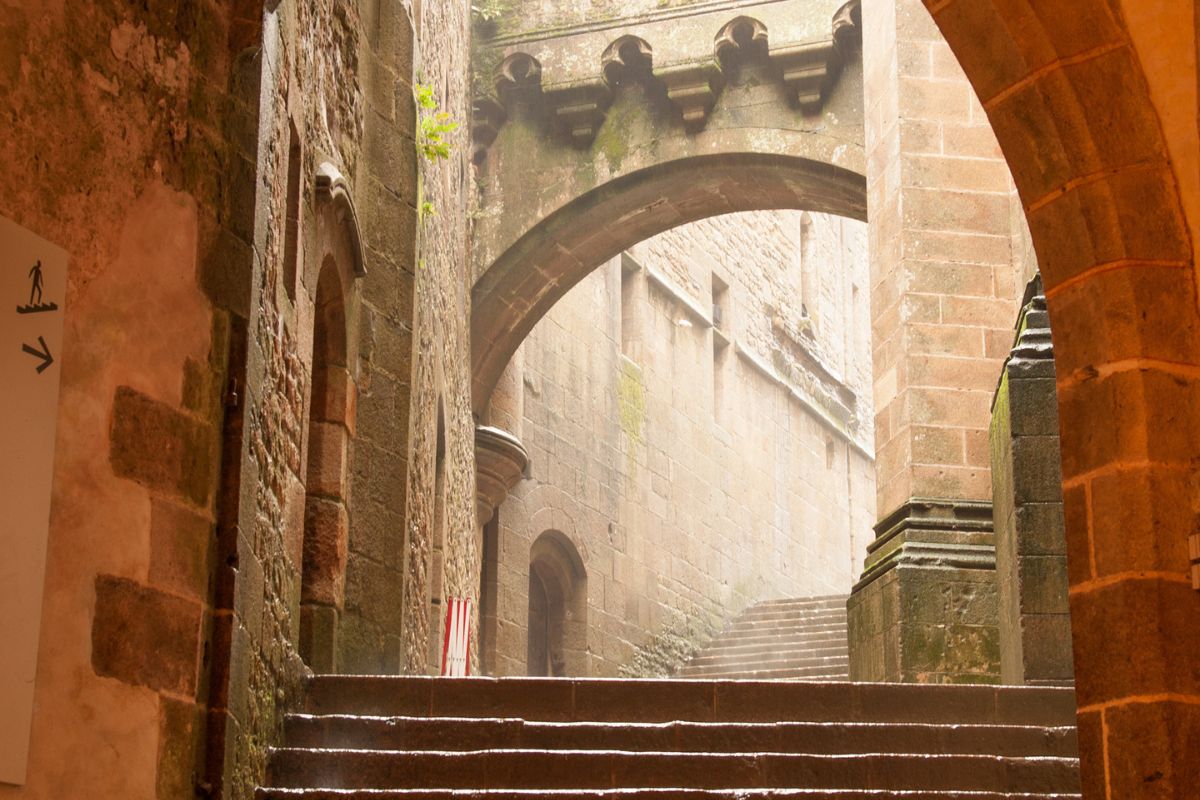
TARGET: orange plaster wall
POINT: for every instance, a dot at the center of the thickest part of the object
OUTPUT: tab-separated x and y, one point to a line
88	162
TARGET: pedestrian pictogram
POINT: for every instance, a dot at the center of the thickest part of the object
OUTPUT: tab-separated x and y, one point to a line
36	285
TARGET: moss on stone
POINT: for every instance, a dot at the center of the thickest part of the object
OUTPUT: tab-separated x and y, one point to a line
631	400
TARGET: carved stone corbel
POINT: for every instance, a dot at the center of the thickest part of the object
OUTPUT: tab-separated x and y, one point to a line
807	70
500	461
579	108
693	89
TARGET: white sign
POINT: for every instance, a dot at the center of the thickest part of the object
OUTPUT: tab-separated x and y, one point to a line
456	650
33	283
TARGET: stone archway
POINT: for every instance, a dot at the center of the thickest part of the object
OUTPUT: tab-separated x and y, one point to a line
597	138
557	643
1078	116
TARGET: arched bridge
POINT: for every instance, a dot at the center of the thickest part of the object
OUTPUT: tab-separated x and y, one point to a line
602	135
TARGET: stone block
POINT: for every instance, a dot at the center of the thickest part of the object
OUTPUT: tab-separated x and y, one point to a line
1150	750
181	546
1036	469
162	448
1042	581
318	637
145	637
326	527
1086	226
179	728
327	454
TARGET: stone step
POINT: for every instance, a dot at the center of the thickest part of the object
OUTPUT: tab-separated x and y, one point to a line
751	652
786	621
823	674
769	633
614	769
643	794
783	653
832	601
803	666
600	700
761	617
466	733
752	642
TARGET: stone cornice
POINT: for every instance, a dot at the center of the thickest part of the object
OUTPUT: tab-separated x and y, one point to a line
932	534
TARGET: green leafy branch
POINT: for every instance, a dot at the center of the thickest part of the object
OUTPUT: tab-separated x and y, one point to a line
432	131
435	125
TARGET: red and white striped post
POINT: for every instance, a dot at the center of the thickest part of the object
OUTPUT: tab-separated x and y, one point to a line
456	649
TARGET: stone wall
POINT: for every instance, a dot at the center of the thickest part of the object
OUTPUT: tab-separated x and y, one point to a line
129	142
441	551
696	469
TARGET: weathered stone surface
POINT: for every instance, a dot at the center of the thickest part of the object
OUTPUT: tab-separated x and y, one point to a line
161	447
145	637
181	545
925	609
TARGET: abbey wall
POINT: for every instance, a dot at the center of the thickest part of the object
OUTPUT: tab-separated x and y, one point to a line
699	438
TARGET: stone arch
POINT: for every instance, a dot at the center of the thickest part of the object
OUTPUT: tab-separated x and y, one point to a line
326	519
1073	110
539	268
557	644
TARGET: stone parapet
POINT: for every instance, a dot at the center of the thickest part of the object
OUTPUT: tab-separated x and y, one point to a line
925	608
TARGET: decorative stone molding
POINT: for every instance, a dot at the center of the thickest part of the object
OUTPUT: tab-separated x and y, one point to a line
500	461
933	534
847	26
520	74
740	39
625	60
332	187
576	104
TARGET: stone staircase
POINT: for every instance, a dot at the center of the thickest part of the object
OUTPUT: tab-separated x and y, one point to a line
801	639
502	739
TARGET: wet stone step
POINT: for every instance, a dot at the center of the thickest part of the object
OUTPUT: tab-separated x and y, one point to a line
451	734
560	699
644	794
590	769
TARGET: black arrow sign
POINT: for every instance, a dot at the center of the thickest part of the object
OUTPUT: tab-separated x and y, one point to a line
43	354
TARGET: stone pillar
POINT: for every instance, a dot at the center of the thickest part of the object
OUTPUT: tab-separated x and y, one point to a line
1031	542
943	299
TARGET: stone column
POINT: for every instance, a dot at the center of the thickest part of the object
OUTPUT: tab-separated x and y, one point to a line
1031	542
943	300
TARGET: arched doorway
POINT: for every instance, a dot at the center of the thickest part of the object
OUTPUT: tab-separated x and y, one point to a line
557	608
